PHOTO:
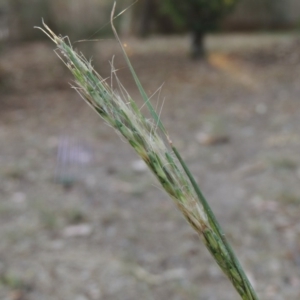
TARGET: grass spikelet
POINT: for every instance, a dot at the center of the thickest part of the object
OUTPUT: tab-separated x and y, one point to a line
151	142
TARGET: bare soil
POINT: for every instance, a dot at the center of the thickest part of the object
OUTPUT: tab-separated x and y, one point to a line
82	219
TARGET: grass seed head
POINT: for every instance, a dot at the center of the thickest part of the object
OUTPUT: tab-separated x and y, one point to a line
121	113
124	116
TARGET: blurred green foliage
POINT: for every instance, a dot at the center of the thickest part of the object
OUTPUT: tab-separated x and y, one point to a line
196	16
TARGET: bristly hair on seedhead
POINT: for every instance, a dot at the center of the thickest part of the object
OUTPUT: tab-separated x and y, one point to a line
121	112
152	143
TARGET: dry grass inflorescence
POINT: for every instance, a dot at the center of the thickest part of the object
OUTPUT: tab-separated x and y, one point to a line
152	143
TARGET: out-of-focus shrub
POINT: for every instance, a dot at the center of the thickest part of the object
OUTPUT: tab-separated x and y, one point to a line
198	17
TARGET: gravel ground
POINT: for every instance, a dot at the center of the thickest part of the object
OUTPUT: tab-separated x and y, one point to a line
82	219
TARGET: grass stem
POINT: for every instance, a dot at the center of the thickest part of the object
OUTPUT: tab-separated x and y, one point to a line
156	149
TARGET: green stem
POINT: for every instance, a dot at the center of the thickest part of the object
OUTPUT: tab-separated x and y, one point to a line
249	292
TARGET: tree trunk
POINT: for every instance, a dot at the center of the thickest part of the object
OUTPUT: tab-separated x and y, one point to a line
198	48
147	12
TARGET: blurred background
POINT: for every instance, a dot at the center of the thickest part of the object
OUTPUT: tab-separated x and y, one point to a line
80	215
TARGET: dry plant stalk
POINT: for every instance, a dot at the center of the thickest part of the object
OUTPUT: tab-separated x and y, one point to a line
121	112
